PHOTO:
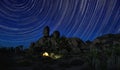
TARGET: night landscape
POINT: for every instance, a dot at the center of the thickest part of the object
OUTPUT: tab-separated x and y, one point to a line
59	35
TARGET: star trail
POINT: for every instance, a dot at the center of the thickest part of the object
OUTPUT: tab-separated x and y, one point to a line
22	21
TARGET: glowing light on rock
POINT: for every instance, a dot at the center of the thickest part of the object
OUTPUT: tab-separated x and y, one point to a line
55	56
52	55
45	54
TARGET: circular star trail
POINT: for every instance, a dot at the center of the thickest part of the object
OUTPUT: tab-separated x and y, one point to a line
22	21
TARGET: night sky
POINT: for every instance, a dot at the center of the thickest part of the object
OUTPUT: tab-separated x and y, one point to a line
22	21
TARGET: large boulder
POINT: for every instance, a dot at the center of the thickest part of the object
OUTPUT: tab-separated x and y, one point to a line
76	44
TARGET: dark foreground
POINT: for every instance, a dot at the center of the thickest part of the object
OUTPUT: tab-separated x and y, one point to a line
101	54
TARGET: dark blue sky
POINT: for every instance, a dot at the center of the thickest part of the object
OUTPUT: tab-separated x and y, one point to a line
22	21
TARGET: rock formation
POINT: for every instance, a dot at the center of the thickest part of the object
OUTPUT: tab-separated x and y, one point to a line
106	41
56	43
46	31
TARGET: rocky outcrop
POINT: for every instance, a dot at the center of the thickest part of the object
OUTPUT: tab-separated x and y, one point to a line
57	43
76	44
60	44
106	51
46	31
105	41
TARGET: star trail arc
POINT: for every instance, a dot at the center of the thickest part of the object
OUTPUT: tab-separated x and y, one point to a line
22	21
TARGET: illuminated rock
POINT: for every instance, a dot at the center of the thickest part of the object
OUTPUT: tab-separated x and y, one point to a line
46	54
55	56
52	55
